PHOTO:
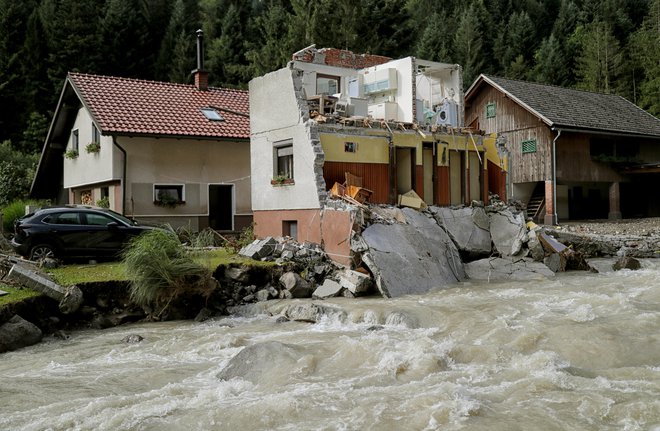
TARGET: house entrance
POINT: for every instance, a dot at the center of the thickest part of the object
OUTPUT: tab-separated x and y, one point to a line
456	169
221	206
405	169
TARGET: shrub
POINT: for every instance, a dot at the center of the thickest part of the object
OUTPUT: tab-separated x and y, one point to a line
161	271
14	211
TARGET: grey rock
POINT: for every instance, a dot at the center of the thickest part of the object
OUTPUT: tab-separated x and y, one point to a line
411	258
256	363
401	319
3	293
626	263
287	255
554	262
239	274
328	289
17	333
132	339
534	246
469	228
508	231
356	282
296	285
507	269
310	312
203	315
262	295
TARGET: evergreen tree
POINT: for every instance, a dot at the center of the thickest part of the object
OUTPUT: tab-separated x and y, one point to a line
123	38
600	61
645	52
227	63
176	57
468	47
273	49
436	40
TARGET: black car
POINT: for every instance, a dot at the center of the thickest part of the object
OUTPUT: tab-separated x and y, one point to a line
72	232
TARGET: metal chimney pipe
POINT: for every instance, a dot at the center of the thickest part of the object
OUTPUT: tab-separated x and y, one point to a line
200	50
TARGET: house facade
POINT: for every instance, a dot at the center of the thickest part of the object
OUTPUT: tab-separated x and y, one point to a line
572	154
159	152
330	115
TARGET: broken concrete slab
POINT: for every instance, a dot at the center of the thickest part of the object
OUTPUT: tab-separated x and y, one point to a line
508	231
3	293
356	282
507	269
70	298
411	199
259	248
328	289
468	227
411	258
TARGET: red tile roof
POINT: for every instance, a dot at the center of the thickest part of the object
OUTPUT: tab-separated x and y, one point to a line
140	107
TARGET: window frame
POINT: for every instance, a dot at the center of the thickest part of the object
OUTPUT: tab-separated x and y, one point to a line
75	140
179	189
289	168
491	110
96	134
327	77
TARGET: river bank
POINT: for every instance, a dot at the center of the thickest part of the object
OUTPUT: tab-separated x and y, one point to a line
303	271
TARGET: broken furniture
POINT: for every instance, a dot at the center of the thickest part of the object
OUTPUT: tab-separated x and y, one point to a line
322	103
351	189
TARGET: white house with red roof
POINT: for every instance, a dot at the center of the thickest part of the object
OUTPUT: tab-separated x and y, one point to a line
155	151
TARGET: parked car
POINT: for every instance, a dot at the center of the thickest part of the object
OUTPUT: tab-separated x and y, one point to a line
73	232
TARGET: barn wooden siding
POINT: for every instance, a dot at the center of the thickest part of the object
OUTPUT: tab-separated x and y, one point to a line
574	162
375	177
518	125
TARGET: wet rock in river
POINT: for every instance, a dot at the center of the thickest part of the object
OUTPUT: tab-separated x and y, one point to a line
626	263
255	363
17	333
295	285
132	339
503	269
328	289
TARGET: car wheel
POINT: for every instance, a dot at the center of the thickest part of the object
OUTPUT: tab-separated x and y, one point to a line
42	251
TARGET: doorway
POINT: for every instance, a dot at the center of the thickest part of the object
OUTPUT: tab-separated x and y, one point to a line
428	163
221	206
405	169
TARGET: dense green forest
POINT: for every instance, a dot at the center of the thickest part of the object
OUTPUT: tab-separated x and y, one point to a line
608	46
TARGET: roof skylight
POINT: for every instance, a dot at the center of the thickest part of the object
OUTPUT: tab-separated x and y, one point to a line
212	114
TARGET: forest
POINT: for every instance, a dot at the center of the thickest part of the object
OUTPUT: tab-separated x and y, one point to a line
610	46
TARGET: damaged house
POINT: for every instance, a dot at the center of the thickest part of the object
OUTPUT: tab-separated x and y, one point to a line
363	128
573	154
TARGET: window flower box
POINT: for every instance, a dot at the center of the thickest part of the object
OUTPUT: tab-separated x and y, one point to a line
71	154
93	147
282	181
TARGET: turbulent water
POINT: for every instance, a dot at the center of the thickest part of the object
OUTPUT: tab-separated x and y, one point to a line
580	352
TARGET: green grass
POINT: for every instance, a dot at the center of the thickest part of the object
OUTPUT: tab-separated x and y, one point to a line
68	275
15	295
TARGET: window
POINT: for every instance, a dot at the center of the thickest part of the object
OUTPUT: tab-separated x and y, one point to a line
326	84
96	136
490	110
290	228
350	147
168	194
75	140
212	114
98	219
528	146
284	160
63	218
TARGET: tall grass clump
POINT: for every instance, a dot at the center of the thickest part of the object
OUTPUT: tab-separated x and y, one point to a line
161	271
15	210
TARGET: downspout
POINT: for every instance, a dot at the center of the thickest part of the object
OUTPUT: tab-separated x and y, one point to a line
123	177
554	176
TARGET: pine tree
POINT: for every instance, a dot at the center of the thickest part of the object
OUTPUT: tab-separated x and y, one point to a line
436	40
468	47
645	51
273	49
600	59
123	38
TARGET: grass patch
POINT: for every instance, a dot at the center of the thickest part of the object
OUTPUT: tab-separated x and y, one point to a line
15	295
69	275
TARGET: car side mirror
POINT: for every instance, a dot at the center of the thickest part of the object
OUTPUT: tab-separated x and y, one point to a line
113	225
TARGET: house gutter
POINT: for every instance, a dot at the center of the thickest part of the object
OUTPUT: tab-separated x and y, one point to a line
123	178
554	175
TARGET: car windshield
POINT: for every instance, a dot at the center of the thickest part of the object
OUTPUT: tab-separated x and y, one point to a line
125	219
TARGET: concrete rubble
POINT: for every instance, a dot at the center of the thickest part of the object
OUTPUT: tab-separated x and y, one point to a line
70	298
507	269
468	227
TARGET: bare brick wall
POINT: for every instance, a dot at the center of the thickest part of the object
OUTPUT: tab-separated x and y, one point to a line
344	58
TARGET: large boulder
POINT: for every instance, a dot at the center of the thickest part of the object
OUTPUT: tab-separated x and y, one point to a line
296	285
468	227
507	269
270	362
329	288
508	231
626	262
355	282
411	258
17	333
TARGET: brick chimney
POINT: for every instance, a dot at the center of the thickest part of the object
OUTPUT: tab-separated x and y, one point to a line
201	76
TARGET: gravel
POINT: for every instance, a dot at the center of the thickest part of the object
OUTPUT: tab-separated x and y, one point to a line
649	227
